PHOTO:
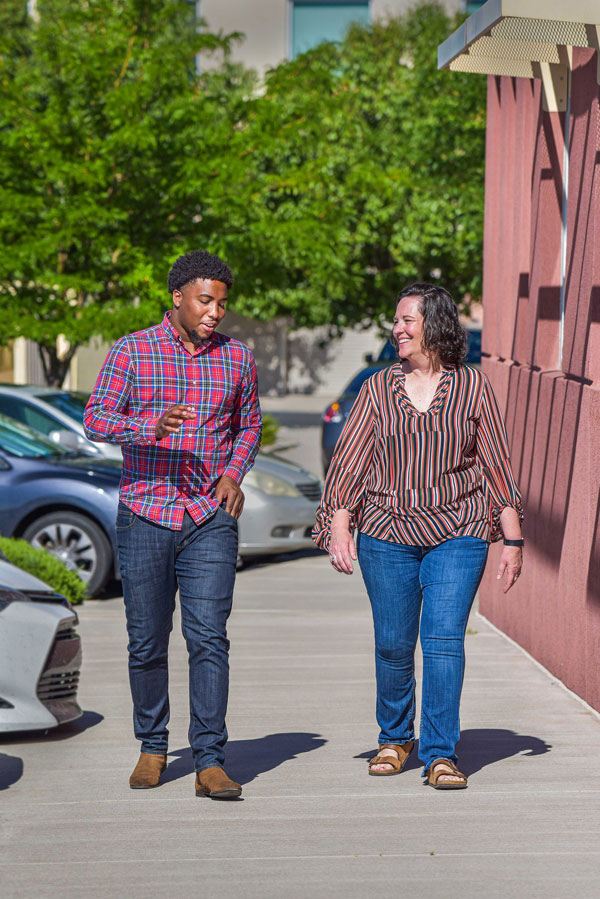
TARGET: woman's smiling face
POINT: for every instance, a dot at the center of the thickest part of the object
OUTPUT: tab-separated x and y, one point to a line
408	328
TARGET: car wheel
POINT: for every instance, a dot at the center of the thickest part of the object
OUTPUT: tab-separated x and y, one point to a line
78	542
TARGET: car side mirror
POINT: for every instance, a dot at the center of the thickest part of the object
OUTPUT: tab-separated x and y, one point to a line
4	464
71	441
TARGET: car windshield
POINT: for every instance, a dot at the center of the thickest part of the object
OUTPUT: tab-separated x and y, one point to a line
19	440
69	402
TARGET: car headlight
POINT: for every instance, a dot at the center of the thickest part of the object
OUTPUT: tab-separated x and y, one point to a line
8	596
268	483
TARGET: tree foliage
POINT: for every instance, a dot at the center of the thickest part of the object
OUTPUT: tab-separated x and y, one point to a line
366	174
45	566
102	117
356	168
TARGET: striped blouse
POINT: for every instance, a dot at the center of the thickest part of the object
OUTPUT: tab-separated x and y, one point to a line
421	477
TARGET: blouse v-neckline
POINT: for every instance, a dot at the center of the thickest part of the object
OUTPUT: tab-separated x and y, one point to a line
398	384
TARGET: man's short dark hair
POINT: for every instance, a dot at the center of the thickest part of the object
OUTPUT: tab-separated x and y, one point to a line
198	264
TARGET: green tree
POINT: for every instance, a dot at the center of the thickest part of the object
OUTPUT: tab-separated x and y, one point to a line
365	172
356	168
107	157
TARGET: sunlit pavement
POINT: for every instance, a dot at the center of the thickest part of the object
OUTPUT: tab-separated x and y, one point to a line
301	724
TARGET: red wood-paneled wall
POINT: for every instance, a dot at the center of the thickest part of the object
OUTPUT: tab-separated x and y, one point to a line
551	400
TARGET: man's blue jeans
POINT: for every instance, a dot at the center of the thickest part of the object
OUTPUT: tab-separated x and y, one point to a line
436	584
199	560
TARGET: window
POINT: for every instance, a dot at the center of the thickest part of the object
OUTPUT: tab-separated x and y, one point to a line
313	22
27	414
71	403
471	6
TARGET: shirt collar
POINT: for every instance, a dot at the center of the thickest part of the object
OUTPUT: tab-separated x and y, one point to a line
174	335
397	372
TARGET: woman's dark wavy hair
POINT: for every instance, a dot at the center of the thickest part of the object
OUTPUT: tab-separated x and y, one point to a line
443	335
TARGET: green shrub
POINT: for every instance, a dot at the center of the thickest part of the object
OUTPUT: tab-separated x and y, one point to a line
44	566
270	428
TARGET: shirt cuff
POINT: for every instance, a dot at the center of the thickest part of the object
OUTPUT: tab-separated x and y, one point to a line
147	431
234	473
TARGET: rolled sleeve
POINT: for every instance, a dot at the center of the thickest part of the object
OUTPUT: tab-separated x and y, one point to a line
346	478
493	457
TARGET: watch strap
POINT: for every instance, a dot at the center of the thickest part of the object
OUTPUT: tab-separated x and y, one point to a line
520	542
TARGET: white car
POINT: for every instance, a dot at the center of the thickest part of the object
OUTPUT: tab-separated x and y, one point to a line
40	654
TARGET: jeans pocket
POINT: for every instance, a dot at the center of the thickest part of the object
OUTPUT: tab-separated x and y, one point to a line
125	518
227	514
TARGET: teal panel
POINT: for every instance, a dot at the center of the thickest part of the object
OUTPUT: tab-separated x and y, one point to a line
316	22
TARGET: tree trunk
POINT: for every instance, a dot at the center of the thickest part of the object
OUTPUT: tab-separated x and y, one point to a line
55	367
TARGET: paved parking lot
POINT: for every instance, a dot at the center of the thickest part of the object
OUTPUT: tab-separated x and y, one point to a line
311	822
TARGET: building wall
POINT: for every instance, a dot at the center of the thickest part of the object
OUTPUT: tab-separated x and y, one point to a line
263	22
6	363
266	25
541	345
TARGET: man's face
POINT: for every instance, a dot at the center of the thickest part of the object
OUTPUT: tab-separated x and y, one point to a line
198	309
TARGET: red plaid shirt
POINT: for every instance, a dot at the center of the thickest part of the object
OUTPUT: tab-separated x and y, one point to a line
146	373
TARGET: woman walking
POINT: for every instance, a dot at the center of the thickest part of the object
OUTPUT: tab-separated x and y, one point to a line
422	470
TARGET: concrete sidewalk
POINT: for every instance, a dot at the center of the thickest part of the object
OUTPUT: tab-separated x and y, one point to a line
301	722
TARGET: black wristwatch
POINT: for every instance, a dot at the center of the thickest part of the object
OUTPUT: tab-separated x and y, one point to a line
520	542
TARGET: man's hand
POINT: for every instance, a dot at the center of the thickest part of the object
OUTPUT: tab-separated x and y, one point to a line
173	418
230	493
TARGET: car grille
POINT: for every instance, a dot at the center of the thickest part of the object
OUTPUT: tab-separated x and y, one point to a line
311	490
58	686
60	677
67	633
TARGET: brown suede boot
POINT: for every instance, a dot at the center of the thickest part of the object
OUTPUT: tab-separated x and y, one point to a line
214	783
146	773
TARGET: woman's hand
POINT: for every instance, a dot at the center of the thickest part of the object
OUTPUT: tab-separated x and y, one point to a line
511	562
341	544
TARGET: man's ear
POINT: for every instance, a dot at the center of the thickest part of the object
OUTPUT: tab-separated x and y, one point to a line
176	298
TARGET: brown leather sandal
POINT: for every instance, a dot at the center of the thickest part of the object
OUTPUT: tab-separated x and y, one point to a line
397	763
433	777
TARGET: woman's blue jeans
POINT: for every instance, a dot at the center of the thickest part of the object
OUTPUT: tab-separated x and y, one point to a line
436	584
155	561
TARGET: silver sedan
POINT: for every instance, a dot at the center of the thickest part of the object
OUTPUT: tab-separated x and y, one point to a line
279	512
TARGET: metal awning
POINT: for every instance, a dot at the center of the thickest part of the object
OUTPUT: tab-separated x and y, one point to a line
524	39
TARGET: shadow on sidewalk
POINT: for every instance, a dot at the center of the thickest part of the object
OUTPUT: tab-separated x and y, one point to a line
480	747
11	770
249	758
62	732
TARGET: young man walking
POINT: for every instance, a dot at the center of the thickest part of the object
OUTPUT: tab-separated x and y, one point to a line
182	400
